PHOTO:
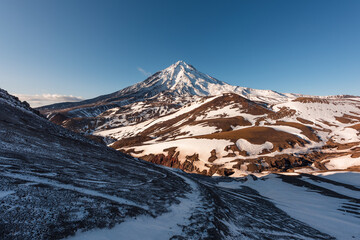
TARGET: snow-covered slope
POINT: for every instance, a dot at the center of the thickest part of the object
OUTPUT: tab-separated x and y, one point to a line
162	93
182	79
231	135
179	83
56	184
168	118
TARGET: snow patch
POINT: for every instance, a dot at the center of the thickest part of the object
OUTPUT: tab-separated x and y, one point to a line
253	149
352	178
317	210
343	162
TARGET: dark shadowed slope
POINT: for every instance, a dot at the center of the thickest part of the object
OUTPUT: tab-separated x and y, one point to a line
54	183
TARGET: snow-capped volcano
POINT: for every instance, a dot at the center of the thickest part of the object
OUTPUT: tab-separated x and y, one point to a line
178	84
180	79
182	118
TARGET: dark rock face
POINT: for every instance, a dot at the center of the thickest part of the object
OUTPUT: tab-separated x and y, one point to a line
213	156
171	160
278	163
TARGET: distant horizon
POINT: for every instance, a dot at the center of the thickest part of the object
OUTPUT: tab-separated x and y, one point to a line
75	50
38	100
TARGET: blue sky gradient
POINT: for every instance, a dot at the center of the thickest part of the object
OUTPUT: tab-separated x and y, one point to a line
88	48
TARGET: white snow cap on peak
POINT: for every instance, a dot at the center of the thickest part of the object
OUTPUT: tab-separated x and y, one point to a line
182	79
182	64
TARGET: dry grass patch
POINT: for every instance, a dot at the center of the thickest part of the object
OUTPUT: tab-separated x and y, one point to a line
259	135
304	121
356	126
224	123
307	131
132	141
310	100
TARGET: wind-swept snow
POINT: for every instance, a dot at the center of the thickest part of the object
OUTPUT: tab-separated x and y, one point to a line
351	178
73	188
337	188
313	208
5	193
162	227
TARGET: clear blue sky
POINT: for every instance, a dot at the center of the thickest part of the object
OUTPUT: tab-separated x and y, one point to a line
88	48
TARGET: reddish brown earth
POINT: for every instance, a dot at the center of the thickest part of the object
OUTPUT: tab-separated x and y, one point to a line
253	129
259	135
311	100
307	131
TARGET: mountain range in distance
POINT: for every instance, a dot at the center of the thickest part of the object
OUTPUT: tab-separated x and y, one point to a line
182	118
292	162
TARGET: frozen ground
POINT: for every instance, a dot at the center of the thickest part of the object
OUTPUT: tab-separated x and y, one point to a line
351	178
55	184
